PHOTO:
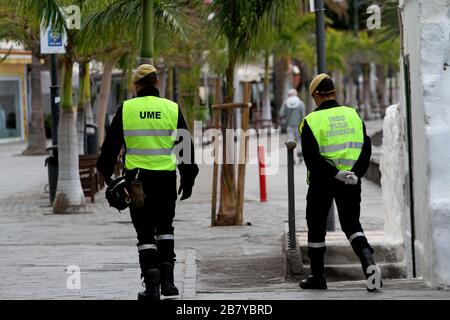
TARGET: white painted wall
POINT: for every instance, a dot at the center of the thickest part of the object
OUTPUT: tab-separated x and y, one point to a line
426	43
393	177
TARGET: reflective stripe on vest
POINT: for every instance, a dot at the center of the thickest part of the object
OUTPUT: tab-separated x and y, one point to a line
149	127
339	134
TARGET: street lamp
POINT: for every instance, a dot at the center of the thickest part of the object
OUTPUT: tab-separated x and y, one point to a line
319	9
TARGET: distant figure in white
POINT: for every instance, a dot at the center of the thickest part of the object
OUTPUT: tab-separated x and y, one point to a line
293	111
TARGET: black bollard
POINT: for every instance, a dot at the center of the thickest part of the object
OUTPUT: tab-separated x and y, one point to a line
291	144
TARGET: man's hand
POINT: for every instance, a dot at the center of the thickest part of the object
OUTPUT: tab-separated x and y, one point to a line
187	191
347	177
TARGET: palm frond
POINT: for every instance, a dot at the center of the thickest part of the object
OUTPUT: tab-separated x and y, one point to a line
240	21
390	21
119	22
49	10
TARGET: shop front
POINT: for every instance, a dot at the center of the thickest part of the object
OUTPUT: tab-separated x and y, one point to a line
13	95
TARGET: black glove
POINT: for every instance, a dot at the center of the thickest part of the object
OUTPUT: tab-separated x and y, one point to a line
186	189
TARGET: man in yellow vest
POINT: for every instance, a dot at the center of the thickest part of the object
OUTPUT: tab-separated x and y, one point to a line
150	128
337	152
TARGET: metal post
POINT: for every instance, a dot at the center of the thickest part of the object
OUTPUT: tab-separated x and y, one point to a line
322	68
320	36
291	144
54	97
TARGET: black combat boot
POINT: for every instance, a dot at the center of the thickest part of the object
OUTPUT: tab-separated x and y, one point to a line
151	282
167	281
317	279
366	258
314	282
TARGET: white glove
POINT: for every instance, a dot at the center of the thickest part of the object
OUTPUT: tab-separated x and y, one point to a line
351	179
347	177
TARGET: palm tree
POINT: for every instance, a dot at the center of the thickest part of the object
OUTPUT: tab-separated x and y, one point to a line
69	194
239	22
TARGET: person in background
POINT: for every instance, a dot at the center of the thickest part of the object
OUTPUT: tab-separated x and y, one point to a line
293	111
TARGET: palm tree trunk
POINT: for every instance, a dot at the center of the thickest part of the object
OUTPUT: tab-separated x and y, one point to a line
349	100
69	194
170	83
381	87
162	75
266	110
103	99
309	103
80	109
340	86
146	55
227	209
80	124
281	72
366	91
87	97
37	141
84	110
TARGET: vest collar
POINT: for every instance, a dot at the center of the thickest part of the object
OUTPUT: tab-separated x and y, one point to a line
327	105
148	91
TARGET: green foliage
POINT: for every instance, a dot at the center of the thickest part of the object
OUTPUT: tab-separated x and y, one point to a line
119	22
240	21
188	85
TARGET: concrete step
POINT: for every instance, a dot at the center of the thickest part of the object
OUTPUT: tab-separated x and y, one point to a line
350	272
341	263
339	251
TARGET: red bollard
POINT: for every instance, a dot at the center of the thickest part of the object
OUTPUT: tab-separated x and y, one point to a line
262	174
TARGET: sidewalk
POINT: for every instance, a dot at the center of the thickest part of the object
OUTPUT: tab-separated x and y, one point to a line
240	262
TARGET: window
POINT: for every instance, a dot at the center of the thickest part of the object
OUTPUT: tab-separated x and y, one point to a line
9	108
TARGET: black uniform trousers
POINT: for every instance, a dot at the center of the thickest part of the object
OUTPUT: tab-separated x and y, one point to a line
153	222
318	202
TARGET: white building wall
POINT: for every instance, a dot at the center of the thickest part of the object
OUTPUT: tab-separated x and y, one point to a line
426	44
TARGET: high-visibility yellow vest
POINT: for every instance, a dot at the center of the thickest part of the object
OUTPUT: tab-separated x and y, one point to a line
149	127
339	133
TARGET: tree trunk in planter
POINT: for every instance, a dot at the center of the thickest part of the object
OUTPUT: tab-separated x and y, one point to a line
69	193
105	87
37	141
227	209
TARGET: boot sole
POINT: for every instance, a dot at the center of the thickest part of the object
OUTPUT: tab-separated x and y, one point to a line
148	298
325	287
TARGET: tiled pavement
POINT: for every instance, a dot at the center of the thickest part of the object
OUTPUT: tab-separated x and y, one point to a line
241	262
